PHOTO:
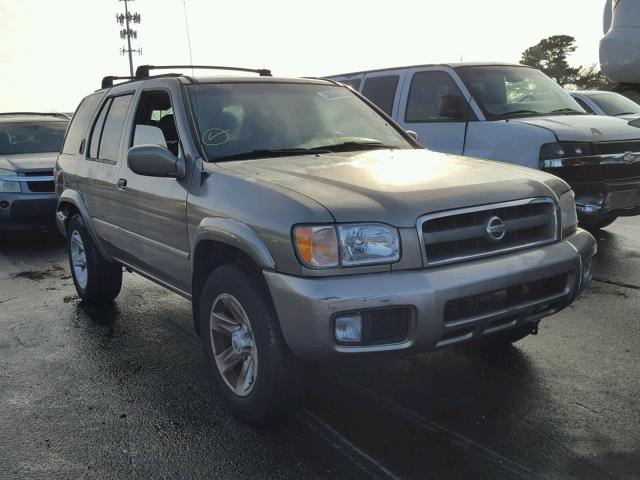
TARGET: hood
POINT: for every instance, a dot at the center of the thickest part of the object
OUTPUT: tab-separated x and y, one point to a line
397	186
584	128
26	162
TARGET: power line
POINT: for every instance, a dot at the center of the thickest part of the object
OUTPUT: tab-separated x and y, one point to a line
127	32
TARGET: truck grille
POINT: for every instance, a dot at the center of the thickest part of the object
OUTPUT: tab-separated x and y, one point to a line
41	187
612	148
468	233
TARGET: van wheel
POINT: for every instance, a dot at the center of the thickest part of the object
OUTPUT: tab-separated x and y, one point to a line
599	222
96	280
256	375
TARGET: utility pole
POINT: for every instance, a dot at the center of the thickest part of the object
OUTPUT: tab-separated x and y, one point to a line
127	32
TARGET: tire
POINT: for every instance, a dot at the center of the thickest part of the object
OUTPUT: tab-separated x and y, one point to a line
99	281
504	339
272	375
598	223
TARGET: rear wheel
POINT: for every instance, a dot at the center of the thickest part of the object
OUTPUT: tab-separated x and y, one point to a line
96	279
254	372
599	222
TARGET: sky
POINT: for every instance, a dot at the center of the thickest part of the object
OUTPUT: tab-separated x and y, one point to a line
54	52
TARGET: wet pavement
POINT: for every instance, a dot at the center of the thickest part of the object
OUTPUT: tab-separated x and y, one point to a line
122	392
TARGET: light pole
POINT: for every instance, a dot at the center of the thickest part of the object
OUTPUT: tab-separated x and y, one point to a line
127	32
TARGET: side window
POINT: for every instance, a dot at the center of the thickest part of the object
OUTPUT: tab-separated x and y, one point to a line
79	123
113	126
583	104
434	97
154	121
381	91
354	83
96	132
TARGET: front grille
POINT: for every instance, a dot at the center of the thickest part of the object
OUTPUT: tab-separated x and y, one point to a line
504	299
597	172
611	148
41	187
463	234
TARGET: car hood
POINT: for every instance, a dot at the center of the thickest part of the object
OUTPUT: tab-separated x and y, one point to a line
584	128
397	186
27	162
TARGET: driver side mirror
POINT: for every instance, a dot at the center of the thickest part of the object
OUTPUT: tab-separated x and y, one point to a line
452	107
412	134
155	161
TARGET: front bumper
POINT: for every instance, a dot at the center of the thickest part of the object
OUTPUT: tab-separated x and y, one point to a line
24	211
307	307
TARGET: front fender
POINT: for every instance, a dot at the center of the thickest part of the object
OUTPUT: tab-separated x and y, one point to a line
235	234
73	198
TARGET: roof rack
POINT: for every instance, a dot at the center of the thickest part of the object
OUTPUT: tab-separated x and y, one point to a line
44	114
143	70
107	82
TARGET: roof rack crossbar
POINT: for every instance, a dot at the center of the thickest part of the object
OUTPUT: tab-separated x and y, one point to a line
46	114
143	70
107	82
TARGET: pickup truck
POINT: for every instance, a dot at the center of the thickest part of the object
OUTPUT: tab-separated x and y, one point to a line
304	225
514	114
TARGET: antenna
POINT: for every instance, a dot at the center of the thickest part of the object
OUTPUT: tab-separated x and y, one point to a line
186	22
127	32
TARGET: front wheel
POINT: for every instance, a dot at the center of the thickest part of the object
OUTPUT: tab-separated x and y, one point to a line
254	372
96	279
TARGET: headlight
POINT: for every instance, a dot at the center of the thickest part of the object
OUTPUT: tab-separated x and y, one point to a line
8	186
332	246
568	216
557	151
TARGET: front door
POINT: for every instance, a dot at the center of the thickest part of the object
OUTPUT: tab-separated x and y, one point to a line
153	215
433	106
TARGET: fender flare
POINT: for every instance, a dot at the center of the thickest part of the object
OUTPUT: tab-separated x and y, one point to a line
73	197
235	234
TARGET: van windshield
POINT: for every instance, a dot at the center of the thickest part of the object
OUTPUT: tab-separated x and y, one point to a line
31	137
504	92
261	119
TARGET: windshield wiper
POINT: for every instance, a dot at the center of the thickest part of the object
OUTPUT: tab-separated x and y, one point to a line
518	112
625	113
348	146
567	110
266	153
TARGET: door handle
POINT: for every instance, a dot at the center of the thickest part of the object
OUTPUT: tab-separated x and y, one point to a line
122	184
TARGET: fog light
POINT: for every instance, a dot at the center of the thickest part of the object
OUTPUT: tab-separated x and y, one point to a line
349	328
4	204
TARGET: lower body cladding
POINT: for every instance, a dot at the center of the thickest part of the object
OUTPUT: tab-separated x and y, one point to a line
422	310
22	211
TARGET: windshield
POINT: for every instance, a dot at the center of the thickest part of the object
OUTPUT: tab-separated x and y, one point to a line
504	92
614	103
236	119
32	137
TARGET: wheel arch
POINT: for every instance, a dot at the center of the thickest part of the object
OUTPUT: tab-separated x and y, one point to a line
70	202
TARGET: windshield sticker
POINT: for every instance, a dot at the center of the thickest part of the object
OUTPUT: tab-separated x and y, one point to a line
215	137
331	95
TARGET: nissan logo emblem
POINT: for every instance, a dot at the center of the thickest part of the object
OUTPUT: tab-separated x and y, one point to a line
495	229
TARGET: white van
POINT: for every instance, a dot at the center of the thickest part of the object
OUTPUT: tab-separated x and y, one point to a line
514	114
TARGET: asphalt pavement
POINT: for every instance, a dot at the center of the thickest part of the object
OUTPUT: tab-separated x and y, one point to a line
122	392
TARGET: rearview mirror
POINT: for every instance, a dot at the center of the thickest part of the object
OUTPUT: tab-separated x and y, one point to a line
452	107
154	161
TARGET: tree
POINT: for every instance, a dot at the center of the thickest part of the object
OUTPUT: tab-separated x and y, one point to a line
550	56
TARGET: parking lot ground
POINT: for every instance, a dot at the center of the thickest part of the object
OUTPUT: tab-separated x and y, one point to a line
122	392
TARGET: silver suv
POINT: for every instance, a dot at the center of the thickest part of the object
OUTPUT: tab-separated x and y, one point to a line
305	225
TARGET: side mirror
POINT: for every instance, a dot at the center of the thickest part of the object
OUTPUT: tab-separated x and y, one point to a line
412	134
452	107
154	161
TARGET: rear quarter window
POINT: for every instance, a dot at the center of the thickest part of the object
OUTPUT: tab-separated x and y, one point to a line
79	123
381	91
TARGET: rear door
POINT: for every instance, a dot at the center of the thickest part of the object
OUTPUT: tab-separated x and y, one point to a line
382	88
98	172
426	107
152	210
